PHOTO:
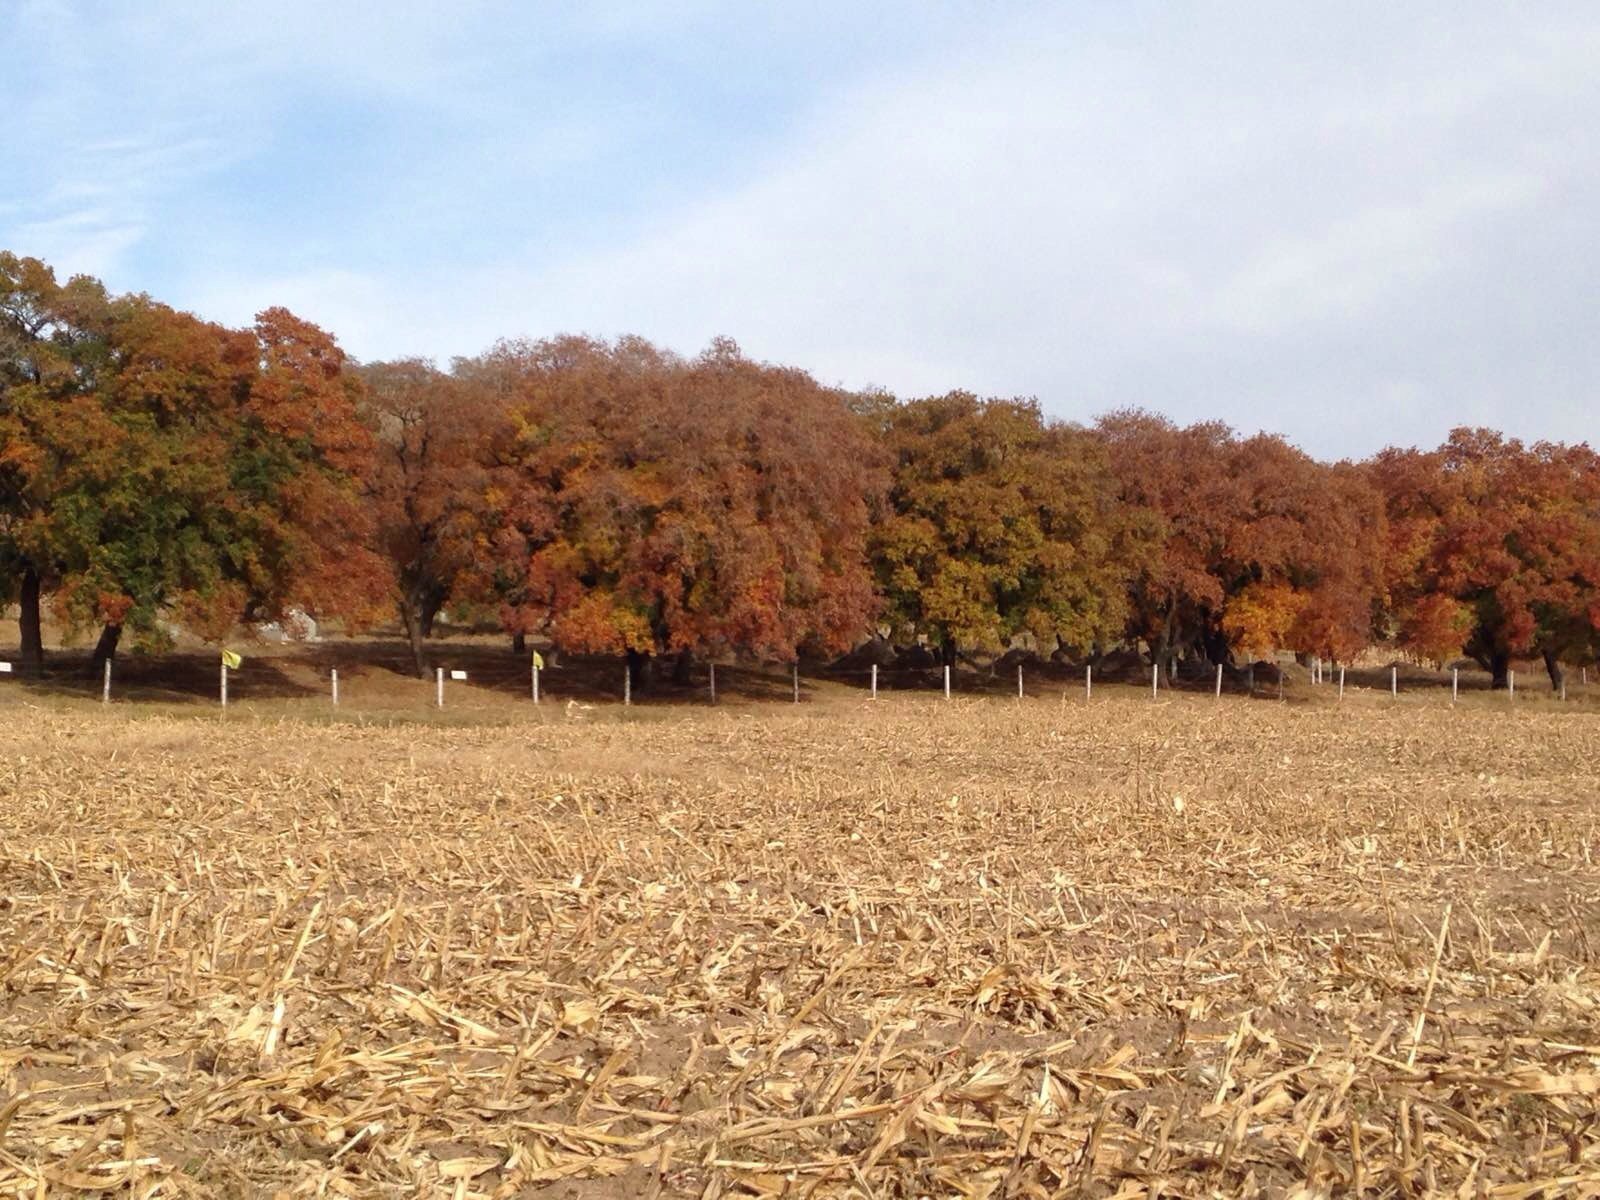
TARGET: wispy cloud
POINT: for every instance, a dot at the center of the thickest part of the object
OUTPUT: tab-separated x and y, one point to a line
1357	223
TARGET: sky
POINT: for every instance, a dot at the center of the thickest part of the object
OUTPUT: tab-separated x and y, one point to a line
1356	224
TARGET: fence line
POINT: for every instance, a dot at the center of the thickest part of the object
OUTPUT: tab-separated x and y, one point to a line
913	678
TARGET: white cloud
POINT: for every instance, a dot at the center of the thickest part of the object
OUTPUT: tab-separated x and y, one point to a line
1355	263
1357	223
1153	222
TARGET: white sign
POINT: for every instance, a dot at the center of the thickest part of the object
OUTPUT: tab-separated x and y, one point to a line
5	668
458	674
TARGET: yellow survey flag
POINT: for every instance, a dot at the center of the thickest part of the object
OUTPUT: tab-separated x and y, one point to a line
231	660
538	660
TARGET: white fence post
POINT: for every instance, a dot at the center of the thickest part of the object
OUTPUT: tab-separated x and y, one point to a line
105	686
1088	682
1341	682
627	686
438	687
333	678
1455	684
874	681
713	683
224	687
1511	683
1019	681
1155	679
1219	681
1394	681
947	681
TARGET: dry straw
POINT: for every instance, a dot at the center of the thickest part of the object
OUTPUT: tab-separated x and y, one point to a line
903	949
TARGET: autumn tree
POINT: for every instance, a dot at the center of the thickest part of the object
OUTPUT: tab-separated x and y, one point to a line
1342	575
650	506
429	484
998	522
1494	549
1261	548
236	494
52	354
158	466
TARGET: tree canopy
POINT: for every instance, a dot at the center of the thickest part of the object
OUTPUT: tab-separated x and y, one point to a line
650	505
1261	548
158	466
1494	549
161	470
996	523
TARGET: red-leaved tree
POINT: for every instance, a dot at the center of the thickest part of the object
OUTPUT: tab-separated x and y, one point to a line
1494	549
645	505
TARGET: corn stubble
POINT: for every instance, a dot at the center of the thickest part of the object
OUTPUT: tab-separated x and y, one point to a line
917	948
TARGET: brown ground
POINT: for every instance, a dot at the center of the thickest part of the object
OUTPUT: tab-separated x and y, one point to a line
912	948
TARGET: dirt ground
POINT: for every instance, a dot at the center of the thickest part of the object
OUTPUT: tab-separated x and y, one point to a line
911	948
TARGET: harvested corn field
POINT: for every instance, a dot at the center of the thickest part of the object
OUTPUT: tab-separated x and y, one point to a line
905	949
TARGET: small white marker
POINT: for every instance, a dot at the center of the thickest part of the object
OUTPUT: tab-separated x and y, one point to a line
459	676
5	668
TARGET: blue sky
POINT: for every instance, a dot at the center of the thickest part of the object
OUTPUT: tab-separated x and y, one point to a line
1354	223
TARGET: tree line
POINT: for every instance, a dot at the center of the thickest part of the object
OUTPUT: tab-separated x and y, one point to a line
159	471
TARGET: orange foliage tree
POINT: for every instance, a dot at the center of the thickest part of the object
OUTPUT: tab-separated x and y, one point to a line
1261	548
1494	549
227	485
155	465
429	484
646	505
53	350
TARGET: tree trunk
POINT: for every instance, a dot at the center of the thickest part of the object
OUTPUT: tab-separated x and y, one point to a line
519	644
947	653
1164	654
683	668
1552	664
1499	664
1215	643
411	619
428	607
105	649
639	669
28	618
